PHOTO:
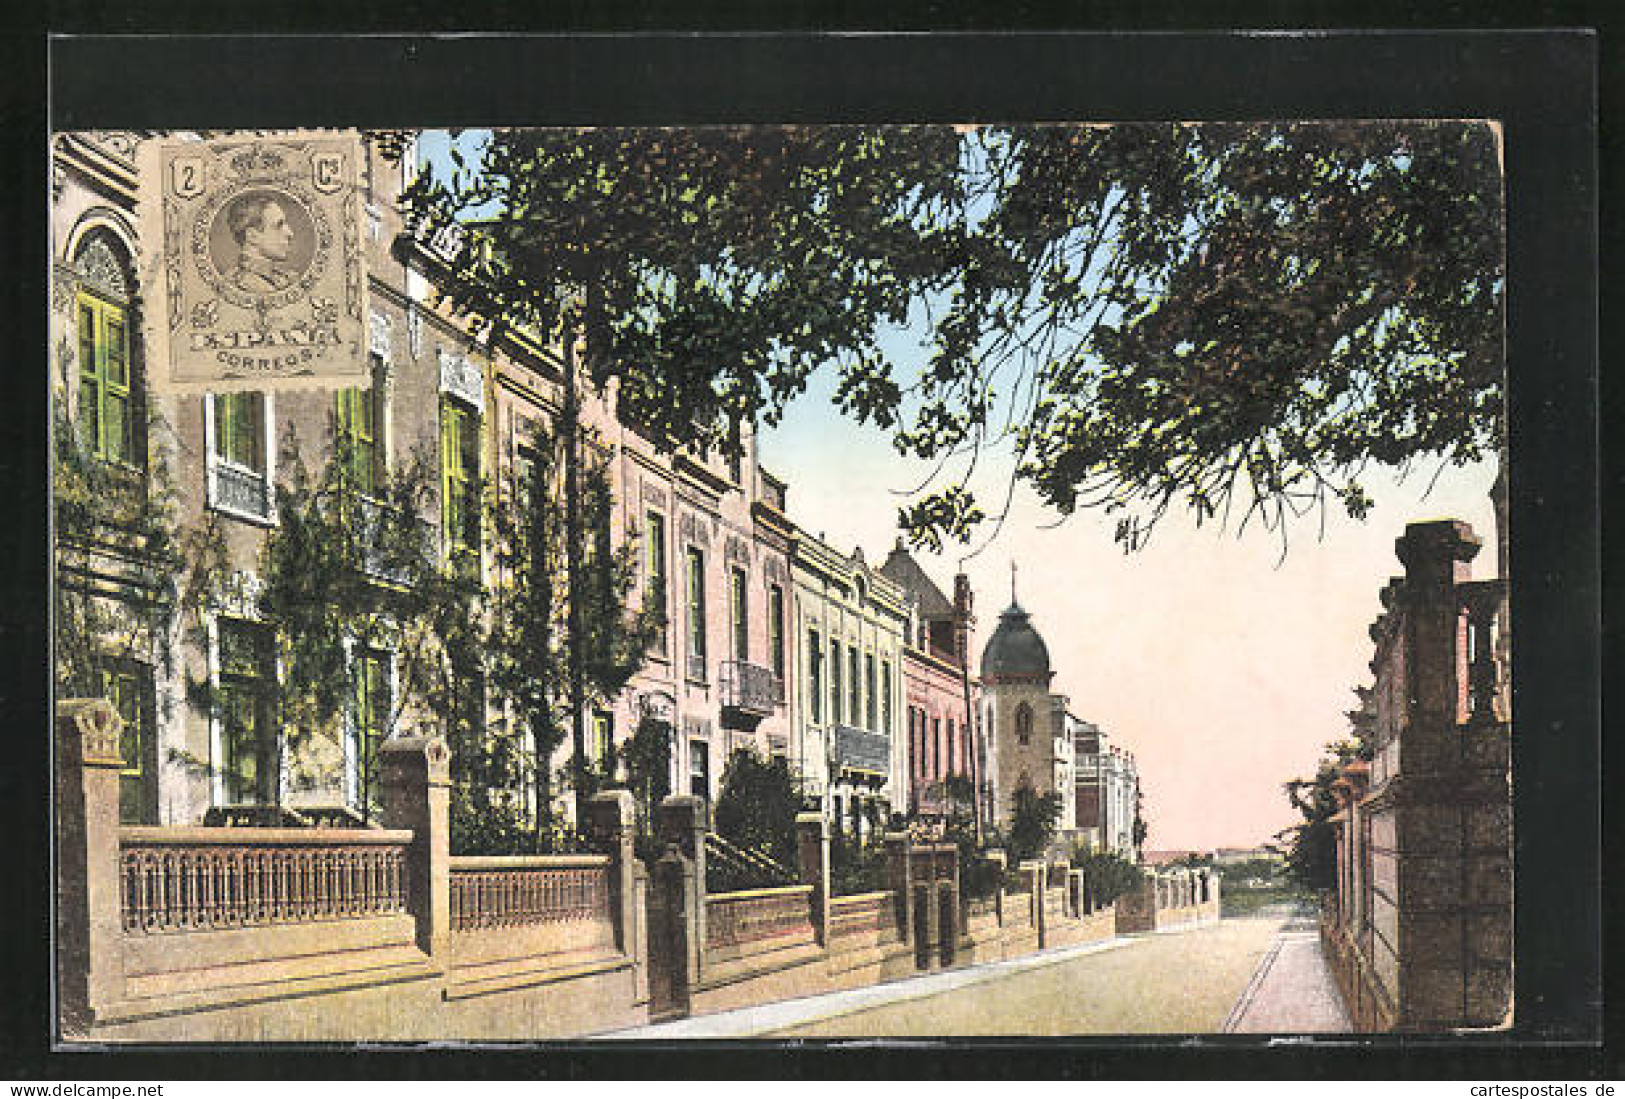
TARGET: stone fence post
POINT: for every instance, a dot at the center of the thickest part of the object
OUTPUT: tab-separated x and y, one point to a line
610	824
900	878
89	921
1033	871
1001	862
672	950
415	786
812	860
681	821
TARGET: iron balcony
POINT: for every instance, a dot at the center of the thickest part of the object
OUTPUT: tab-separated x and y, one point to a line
749	690
860	750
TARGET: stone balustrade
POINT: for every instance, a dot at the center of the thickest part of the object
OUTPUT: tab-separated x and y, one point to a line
515	891
190	879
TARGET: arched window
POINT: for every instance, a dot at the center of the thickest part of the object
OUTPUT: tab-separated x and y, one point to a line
106	404
1024	723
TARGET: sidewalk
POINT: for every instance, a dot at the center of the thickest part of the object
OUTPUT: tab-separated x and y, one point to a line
1292	991
767	1018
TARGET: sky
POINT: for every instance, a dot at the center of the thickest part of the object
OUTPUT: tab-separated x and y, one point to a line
1223	666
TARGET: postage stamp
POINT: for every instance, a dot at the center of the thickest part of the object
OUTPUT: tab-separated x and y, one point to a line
260	269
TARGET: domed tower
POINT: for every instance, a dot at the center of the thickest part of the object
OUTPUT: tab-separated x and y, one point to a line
1019	713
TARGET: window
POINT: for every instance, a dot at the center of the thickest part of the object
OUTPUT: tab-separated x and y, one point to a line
741	612
106	413
855	689
654	552
239	460
949	769
870	701
936	747
815	676
885	696
373	704
460	477
834	681
128	686
775	629
1024	723
699	768
239	430
360	431
696	606
603	735
248	740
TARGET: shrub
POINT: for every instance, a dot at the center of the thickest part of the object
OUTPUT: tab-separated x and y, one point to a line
758	805
856	867
1107	875
1032	823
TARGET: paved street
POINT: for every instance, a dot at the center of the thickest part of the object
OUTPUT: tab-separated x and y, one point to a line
1240	975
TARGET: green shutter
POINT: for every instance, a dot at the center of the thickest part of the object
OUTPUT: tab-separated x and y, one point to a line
105	419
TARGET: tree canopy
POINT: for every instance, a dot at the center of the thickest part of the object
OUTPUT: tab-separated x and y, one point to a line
1234	318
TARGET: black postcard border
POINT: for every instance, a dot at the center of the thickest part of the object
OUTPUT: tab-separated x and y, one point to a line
1540	84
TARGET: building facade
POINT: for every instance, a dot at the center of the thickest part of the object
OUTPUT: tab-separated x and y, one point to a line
224	454
709	533
846	740
714	549
939	696
1108	788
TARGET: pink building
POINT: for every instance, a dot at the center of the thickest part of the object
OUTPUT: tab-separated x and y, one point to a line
937	687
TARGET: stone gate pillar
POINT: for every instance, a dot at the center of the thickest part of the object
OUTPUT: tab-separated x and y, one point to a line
610	824
682	820
1447	781
415	785
89	908
812	860
673	953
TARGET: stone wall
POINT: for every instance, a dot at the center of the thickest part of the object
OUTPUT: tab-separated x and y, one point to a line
1420	925
1170	899
355	934
323	934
